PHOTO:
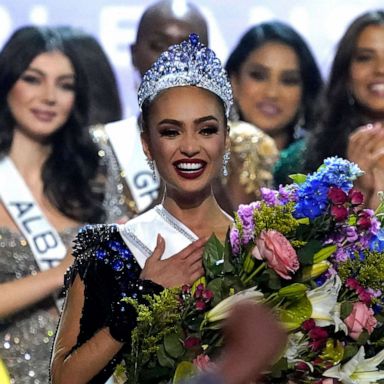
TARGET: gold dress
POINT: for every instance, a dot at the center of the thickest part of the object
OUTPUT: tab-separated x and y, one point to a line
253	155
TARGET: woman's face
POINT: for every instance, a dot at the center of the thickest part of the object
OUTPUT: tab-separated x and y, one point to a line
268	87
186	137
367	70
42	98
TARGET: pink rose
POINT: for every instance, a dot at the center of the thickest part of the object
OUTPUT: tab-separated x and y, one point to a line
203	363
279	254
359	319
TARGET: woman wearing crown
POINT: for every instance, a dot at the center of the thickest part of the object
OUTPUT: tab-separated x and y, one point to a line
185	99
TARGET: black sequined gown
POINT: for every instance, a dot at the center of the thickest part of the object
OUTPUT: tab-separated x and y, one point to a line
109	272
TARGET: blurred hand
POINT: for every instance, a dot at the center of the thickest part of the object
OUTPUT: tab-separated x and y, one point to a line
253	342
183	268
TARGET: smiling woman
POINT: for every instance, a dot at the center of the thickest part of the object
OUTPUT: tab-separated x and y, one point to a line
353	105
50	77
185	99
276	83
52	180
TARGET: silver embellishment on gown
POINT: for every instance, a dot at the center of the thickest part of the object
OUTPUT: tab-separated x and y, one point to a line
26	338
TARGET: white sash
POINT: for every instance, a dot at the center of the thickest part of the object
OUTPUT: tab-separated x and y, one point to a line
124	137
140	234
44	241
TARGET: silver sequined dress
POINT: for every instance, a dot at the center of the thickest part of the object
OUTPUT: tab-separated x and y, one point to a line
26	338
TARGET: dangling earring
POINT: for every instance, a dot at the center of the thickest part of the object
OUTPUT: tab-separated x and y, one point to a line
298	129
226	157
151	165
351	99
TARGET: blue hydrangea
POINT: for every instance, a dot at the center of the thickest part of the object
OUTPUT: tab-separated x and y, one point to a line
312	199
377	242
312	195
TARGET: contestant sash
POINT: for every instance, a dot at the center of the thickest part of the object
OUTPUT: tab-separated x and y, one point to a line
44	241
140	234
124	137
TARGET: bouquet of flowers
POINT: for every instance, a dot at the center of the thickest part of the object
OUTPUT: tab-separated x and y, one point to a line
310	251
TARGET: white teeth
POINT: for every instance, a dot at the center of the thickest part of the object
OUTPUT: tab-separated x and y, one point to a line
189	166
377	87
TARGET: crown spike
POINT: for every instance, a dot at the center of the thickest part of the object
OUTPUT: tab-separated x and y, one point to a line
185	64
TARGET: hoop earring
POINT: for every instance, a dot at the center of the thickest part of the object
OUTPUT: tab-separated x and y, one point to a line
226	157
151	165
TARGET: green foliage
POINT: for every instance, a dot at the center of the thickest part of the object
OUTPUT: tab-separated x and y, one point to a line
278	218
367	270
154	338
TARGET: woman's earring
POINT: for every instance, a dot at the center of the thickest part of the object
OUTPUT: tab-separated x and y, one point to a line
299	128
151	165
226	157
351	99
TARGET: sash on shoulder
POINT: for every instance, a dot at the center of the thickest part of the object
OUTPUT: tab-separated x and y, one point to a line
140	234
125	140
44	241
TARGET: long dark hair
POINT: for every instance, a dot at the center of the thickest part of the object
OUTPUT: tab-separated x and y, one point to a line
70	172
277	31
341	114
104	97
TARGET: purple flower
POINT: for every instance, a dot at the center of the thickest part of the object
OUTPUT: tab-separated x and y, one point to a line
351	233
235	241
269	196
341	255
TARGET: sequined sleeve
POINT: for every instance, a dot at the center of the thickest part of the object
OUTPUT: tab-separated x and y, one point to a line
109	272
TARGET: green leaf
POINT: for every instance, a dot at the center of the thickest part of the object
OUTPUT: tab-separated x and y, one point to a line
324	253
164	359
184	370
298	178
271	279
154	375
350	350
213	257
306	253
173	346
228	267
295	290
345	309
279	367
217	287
296	313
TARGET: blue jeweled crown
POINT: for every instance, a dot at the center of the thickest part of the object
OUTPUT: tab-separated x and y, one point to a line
187	63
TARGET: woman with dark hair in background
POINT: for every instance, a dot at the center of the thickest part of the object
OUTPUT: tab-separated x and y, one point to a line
104	98
352	116
276	83
52	181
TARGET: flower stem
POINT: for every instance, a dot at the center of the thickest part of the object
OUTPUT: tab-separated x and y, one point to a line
254	273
